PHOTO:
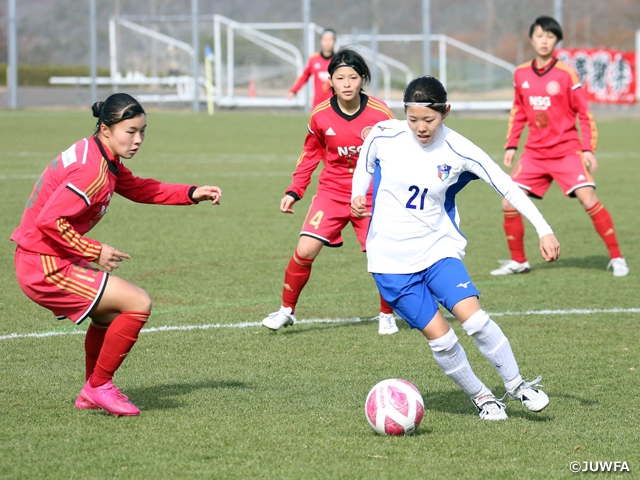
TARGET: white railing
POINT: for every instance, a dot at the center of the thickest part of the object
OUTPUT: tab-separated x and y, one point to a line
286	51
222	76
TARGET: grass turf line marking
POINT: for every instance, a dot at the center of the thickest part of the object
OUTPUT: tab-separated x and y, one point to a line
171	328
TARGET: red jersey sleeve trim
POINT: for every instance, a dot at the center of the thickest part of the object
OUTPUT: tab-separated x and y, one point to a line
572	73
322	106
79	192
512	116
594	131
87	249
304	76
100	180
381	107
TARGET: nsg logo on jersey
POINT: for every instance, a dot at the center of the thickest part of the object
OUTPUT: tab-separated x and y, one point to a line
539	102
349	151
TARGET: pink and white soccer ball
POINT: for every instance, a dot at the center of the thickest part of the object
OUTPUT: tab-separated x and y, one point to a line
394	407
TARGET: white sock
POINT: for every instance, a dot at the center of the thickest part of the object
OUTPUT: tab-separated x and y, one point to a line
452	359
495	347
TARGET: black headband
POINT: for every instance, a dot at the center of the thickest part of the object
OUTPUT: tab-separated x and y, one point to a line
344	65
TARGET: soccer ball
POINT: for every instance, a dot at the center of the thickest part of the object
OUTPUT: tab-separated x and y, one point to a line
394	407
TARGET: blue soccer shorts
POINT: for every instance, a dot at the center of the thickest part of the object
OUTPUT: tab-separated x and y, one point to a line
415	296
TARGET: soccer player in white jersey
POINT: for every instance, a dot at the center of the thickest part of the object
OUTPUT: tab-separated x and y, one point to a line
415	247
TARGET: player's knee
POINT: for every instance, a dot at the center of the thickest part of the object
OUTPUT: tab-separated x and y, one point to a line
141	301
445	342
476	322
307	251
588	199
506	205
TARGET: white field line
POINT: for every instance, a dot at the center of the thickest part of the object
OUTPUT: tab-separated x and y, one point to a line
181	328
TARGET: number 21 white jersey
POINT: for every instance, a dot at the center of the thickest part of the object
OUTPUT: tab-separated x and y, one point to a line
415	220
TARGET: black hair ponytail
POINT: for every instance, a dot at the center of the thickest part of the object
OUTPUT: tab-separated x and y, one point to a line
115	109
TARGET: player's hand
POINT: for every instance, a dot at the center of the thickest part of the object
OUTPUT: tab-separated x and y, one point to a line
290	95
590	161
110	257
359	207
550	248
286	204
509	155
207	193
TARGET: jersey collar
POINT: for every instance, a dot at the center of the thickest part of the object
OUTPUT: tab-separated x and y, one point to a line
546	70
111	162
363	104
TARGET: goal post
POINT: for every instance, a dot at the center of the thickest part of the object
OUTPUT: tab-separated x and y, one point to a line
255	64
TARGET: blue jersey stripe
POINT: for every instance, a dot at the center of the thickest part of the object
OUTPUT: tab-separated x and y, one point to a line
366	156
481	166
450	196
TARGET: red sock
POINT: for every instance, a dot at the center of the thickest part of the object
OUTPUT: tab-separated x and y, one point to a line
514	229
604	226
384	306
295	278
121	335
92	345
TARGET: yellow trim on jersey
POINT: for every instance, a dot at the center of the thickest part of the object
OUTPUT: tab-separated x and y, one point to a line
572	73
76	240
512	116
300	158
100	180
525	65
380	107
594	131
65	283
321	106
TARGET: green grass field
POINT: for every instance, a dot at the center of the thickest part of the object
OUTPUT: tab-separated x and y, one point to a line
226	402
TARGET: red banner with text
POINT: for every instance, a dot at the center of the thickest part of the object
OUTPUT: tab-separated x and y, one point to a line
608	76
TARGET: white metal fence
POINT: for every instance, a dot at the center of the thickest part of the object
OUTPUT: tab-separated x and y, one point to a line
254	64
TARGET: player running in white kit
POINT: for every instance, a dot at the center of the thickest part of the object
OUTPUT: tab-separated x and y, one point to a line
415	247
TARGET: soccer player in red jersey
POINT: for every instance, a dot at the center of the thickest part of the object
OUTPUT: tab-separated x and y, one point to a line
53	254
548	98
317	67
337	128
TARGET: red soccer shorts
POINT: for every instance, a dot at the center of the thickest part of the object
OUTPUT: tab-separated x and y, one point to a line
327	218
69	287
535	175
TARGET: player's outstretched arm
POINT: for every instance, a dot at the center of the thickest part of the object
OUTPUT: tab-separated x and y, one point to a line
207	192
286	204
550	248
359	207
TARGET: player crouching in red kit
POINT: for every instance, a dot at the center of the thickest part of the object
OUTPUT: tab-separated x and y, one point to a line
52	257
548	98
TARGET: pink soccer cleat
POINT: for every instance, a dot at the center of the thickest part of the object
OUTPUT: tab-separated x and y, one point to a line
108	398
83	403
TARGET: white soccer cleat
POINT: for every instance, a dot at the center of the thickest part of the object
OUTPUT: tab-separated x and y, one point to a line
509	267
532	398
489	408
282	318
619	265
387	324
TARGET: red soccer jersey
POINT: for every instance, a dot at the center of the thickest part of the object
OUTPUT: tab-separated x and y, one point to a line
337	138
549	102
318	67
73	194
